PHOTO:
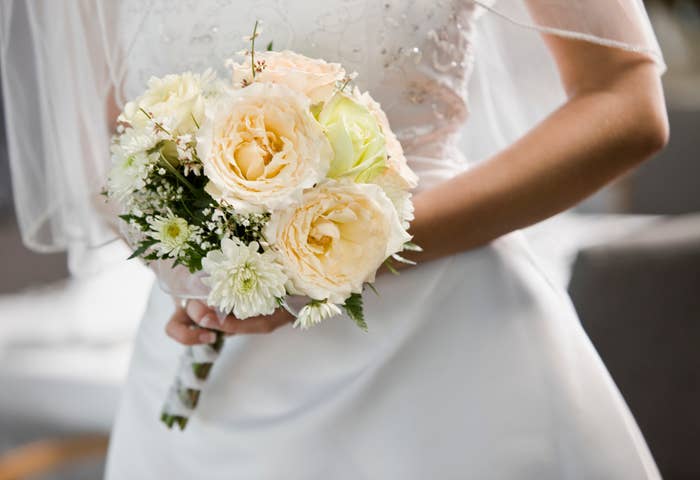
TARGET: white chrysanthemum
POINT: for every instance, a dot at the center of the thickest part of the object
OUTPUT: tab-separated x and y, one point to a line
128	173
314	313
135	140
243	280
130	161
171	232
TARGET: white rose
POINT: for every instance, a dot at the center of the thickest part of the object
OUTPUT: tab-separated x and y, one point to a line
396	160
179	99
262	147
336	239
356	137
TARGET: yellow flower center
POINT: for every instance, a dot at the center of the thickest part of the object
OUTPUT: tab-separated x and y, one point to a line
246	279
172	230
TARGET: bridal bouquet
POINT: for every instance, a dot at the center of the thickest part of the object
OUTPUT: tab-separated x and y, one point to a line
280	181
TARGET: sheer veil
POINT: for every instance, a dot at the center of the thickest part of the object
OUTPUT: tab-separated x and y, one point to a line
60	73
515	82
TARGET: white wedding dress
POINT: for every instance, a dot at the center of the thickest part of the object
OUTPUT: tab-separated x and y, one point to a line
474	366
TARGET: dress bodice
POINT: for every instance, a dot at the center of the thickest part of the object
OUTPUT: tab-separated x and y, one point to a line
414	56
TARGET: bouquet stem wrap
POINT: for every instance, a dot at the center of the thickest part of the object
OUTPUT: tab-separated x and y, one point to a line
197	360
194	368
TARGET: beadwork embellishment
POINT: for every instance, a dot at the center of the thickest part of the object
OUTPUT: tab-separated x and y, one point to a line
414	55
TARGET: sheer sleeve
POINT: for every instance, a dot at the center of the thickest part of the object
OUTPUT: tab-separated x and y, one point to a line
56	87
515	82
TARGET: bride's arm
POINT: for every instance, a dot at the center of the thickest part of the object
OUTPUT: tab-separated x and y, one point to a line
614	119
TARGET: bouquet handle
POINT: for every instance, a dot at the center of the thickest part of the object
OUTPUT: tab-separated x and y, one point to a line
195	365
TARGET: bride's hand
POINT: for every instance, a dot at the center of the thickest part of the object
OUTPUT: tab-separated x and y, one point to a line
197	323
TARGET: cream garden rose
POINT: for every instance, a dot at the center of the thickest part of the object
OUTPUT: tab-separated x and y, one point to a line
394	186
262	148
312	77
178	100
336	239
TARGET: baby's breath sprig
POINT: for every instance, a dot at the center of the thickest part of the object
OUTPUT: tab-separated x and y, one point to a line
346	81
156	124
252	47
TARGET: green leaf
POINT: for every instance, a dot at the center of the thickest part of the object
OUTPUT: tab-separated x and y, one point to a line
390	267
373	288
353	307
269	46
203	202
145	245
194	120
152	256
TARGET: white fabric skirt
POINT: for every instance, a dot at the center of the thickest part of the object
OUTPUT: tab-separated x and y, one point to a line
475	366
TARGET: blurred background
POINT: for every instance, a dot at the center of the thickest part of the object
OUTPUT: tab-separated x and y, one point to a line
629	256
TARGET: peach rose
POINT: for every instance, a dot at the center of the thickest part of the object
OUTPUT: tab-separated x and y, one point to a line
336	239
314	78
262	147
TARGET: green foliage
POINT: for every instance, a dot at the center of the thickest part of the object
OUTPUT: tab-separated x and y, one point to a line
353	307
193	204
372	287
143	246
390	266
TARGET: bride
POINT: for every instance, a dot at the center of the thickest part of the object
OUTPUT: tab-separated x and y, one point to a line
475	365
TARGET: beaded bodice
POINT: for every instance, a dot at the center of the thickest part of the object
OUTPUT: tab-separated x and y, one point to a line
414	56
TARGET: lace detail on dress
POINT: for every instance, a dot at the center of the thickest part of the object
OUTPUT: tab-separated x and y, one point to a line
432	62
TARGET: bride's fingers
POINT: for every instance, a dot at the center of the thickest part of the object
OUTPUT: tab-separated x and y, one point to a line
261	324
201	314
197	310
181	329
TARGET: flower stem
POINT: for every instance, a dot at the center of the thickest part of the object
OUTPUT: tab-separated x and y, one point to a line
252	47
177	174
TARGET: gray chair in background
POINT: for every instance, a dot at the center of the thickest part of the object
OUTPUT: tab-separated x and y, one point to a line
639	301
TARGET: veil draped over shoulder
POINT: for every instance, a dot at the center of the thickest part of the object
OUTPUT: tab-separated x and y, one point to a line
60	79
